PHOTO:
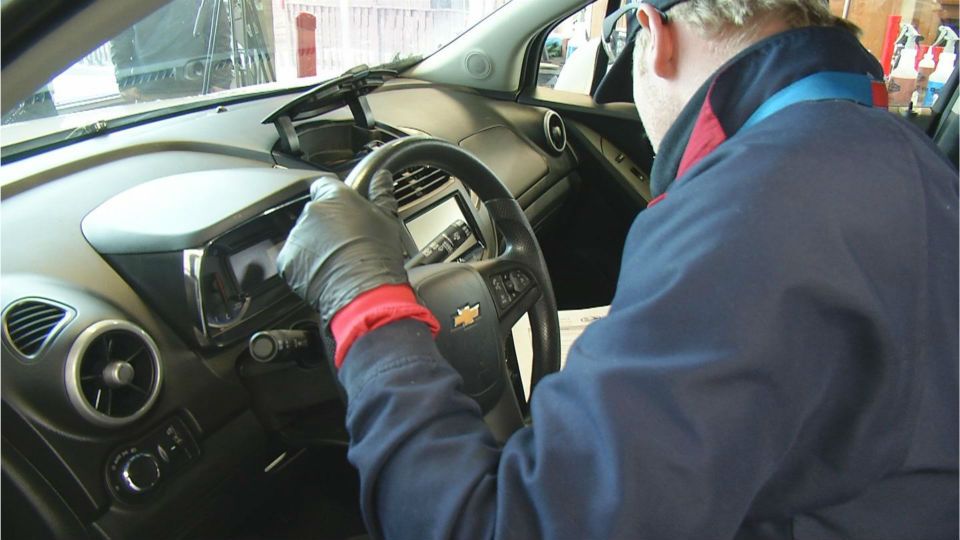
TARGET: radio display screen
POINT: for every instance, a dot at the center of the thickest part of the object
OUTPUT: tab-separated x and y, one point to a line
428	225
255	264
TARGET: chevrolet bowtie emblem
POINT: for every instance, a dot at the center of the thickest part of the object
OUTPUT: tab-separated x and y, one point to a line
466	316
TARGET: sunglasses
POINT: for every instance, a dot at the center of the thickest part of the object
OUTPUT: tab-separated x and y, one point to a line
615	39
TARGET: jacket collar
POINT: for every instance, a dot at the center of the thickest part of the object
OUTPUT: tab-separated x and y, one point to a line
722	105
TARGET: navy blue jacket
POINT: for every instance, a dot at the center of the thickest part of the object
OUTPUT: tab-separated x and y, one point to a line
780	359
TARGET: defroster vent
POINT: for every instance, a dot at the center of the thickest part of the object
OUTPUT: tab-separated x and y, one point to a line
417	182
29	325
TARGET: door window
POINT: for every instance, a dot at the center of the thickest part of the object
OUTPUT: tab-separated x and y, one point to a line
570	52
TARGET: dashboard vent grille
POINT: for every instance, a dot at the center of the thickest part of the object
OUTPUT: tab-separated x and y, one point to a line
29	325
417	182
113	373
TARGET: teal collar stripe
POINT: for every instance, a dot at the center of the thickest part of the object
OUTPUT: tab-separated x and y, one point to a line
826	85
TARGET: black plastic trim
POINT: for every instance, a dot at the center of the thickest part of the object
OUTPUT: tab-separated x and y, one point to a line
56	474
27	492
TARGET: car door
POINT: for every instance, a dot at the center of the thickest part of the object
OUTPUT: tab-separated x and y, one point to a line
563	67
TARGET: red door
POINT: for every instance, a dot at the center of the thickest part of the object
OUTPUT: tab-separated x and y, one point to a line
306	45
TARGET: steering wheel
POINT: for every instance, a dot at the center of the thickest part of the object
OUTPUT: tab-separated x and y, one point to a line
477	303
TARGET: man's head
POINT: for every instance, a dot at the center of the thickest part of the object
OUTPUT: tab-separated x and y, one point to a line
678	48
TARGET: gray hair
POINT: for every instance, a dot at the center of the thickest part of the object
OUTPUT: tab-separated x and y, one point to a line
732	24
734	20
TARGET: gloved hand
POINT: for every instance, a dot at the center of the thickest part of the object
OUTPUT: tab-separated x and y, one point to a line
343	245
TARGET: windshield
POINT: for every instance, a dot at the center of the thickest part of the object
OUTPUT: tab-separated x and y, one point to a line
193	48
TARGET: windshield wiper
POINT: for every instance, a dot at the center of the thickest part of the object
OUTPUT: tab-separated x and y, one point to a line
48	141
57	138
401	64
348	89
96	128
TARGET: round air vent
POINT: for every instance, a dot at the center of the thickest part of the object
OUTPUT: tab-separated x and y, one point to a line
113	373
555	131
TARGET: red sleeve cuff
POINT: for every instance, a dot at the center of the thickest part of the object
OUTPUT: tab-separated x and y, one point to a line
373	309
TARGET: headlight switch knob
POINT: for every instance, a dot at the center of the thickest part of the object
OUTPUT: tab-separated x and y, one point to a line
139	473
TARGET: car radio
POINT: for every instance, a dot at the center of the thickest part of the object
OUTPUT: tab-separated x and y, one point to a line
442	232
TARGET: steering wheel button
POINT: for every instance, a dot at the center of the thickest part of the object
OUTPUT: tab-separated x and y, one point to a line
519	280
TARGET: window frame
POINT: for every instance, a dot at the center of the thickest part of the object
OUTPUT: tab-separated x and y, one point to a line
532	59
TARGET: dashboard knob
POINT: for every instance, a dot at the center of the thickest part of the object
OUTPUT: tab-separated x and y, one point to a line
118	374
270	345
139	473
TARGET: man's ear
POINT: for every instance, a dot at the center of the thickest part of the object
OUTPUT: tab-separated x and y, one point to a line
662	46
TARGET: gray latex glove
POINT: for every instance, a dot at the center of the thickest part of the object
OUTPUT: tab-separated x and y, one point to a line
343	245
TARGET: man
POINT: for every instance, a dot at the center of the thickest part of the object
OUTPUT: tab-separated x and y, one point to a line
780	359
168	54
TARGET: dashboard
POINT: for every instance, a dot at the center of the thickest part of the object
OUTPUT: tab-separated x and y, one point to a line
138	265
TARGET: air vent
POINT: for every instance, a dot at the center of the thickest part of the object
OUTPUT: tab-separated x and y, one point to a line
417	182
29	325
555	131
113	373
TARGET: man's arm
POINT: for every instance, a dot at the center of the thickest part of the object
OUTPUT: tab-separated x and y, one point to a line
755	366
726	385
